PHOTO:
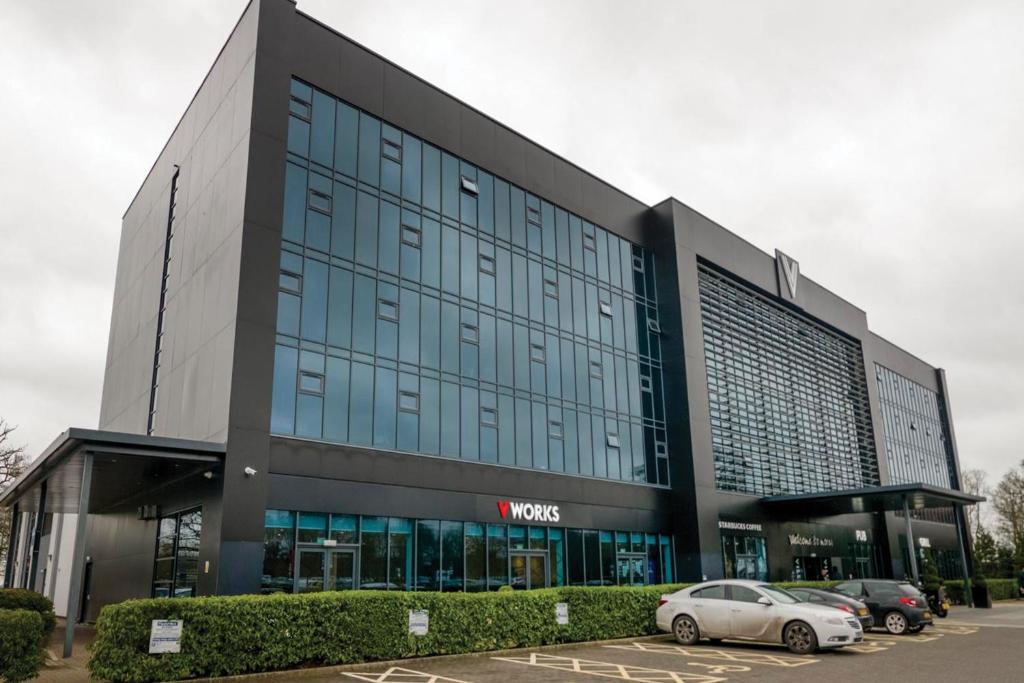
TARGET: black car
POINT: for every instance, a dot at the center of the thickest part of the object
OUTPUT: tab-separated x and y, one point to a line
849	605
896	605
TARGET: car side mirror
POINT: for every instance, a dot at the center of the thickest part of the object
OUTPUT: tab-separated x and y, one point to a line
764	601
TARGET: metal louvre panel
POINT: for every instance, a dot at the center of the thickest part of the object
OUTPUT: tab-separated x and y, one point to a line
787	395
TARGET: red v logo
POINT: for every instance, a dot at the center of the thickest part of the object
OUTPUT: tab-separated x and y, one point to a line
503	508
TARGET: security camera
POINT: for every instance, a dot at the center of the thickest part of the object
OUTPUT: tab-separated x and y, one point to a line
249	472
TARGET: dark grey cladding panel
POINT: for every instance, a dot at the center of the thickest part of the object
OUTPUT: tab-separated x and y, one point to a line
295	44
732	253
884	352
315	460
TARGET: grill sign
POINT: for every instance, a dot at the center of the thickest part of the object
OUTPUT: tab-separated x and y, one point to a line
531	512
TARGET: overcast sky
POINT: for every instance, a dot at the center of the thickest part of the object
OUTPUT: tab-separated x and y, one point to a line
879	143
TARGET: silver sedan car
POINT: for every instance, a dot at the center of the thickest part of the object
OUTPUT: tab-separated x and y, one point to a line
755	611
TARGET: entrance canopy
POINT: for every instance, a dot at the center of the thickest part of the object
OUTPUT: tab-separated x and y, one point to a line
122	466
872	499
88	471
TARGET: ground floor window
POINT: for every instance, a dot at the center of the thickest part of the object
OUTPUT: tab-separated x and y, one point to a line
309	552
744	557
176	568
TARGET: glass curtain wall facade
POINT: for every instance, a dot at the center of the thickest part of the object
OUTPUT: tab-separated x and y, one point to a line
915	431
788	396
309	552
429	307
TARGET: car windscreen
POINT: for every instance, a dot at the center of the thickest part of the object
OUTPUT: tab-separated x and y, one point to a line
780	595
892	589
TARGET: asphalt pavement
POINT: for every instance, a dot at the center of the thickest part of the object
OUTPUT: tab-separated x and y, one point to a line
971	645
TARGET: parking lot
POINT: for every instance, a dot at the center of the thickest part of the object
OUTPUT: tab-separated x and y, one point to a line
970	645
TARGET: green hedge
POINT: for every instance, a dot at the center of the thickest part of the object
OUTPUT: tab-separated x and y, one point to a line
1000	589
21	598
243	634
22	637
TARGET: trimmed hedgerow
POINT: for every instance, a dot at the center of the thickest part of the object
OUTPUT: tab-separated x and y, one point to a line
21	598
999	589
251	633
22	637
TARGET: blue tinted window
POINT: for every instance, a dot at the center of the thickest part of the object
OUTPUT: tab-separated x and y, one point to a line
524	429
571	454
346	139
506	430
468	201
286	364
450	409
449	186
366	229
391	161
361	404
585	450
430	405
321	147
387	309
450	259
598	438
503	278
449	337
485	202
409	406
431	253
343	221
540	436
470	424
411	165
384	407
502	212
364	313
309	416
388	239
505	355
488	348
430	332
409	327
431	178
336	400
293	227
518	212
369	149
470	266
314	301
288	314
318	213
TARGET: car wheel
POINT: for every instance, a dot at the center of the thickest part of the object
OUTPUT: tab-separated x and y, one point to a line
896	623
800	638
685	630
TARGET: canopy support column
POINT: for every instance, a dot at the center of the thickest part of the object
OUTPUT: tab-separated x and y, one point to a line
961	538
37	537
78	555
12	547
910	542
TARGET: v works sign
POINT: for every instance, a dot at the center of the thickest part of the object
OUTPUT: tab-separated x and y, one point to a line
531	512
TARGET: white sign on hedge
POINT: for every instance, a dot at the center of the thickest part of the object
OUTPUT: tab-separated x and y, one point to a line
165	636
419	622
561	613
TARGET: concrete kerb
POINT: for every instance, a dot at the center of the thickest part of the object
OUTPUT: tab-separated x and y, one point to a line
408	662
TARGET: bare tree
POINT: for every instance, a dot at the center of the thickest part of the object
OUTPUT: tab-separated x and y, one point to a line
1008	504
974	482
12	461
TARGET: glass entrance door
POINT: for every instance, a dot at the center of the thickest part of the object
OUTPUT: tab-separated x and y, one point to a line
310	574
630	569
529	570
341	571
320	570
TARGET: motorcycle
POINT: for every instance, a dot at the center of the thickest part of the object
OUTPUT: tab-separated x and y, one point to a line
939	603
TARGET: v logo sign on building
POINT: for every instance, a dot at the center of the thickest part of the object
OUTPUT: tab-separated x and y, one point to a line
789	272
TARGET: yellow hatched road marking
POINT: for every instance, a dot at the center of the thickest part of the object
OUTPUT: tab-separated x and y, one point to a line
955	629
624	672
739	656
397	674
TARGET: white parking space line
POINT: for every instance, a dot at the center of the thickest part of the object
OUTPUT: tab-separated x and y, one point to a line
737	656
955	629
624	672
397	674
